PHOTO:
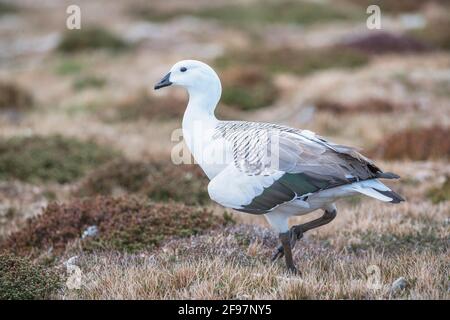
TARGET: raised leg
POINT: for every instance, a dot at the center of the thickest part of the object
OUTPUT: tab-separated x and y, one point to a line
296	232
326	218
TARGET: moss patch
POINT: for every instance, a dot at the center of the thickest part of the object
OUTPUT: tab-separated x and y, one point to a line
415	144
90	38
22	279
160	181
125	223
53	158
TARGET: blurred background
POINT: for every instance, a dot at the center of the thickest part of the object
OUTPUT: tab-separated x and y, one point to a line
79	117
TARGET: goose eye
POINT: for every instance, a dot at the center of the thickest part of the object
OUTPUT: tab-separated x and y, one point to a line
183	69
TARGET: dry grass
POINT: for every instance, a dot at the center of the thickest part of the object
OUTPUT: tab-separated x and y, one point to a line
234	264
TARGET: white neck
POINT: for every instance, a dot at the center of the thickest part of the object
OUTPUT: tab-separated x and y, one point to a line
199	124
201	106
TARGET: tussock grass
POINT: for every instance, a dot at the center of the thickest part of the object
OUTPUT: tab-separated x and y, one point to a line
49	159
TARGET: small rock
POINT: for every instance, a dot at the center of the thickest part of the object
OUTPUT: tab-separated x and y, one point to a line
91	231
71	261
399	285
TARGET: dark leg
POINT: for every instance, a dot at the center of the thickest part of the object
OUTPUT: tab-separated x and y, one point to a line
326	218
296	232
285	239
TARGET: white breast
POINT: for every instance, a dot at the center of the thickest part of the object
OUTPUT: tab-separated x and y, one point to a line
213	156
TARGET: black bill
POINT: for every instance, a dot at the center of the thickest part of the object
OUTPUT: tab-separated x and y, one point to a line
164	82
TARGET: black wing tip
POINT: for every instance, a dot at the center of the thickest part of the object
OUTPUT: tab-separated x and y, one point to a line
396	198
388	175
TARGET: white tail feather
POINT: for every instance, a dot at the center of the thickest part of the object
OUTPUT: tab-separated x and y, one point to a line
370	187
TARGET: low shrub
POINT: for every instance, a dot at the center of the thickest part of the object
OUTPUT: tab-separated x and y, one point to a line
123	223
24	280
415	144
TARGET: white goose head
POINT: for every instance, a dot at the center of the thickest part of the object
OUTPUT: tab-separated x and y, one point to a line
199	79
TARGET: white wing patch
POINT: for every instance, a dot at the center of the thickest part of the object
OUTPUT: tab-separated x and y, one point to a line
233	189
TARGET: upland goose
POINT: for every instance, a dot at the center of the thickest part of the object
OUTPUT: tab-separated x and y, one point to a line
270	169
